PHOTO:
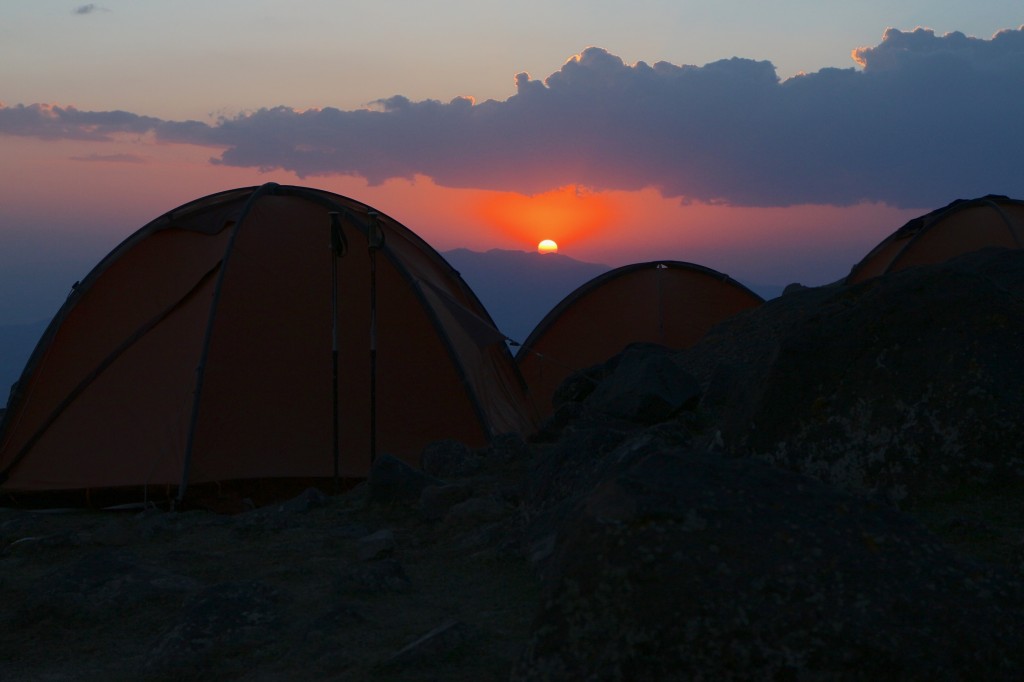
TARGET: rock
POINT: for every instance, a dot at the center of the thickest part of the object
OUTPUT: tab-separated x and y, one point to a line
219	621
566	468
692	566
570	470
477	510
117	533
41	544
645	387
449	459
578	386
103	579
309	499
337	617
509	447
383	575
551	428
391	480
480	539
432	647
436	500
377	545
170	525
905	386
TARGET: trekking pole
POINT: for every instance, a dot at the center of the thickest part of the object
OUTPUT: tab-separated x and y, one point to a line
338	249
375	240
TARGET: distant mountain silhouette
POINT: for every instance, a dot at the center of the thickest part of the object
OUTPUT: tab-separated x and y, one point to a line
518	288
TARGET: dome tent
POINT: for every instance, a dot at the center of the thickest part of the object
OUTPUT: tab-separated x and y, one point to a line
671	303
963	226
200	351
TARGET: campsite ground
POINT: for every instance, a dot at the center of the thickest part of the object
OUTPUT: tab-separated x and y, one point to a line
314	588
826	487
295	591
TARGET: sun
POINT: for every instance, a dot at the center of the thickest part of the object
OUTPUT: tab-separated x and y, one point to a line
547	246
567	215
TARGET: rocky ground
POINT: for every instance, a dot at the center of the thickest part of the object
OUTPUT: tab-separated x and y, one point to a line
334	588
827	487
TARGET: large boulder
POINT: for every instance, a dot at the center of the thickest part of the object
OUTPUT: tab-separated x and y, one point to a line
392	481
907	386
570	470
643	385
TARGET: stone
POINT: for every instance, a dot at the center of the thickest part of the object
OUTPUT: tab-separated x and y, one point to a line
478	510
223	618
449	459
578	386
393	481
436	500
434	645
377	545
645	387
108	577
307	500
509	447
383	575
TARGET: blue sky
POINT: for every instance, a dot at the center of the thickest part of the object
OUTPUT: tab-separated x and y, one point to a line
191	58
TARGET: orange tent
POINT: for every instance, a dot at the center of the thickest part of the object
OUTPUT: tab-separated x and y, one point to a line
961	227
666	302
202	351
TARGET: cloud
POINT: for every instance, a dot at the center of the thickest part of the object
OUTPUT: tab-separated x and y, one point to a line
91	8
900	49
54	122
928	119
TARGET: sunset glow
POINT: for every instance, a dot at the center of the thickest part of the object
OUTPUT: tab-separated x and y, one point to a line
568	215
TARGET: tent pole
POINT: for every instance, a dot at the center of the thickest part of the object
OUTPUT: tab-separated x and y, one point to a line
338	248
375	239
334	371
204	353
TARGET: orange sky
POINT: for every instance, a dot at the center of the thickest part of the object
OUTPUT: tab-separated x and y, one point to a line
813	244
107	190
567	216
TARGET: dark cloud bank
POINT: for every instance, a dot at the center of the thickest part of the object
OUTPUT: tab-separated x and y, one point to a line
927	119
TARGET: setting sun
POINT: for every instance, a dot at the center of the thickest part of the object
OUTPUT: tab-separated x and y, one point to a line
547	246
562	216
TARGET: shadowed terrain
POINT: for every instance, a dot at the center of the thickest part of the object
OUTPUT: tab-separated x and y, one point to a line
826	487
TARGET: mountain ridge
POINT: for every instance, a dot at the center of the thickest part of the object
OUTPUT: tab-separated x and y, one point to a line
518	288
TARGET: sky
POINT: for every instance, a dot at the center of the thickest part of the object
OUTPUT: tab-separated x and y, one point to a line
775	142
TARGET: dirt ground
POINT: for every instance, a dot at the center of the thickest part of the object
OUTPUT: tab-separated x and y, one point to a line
317	588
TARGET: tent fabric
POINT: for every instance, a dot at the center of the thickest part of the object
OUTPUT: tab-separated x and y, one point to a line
200	351
671	303
963	226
